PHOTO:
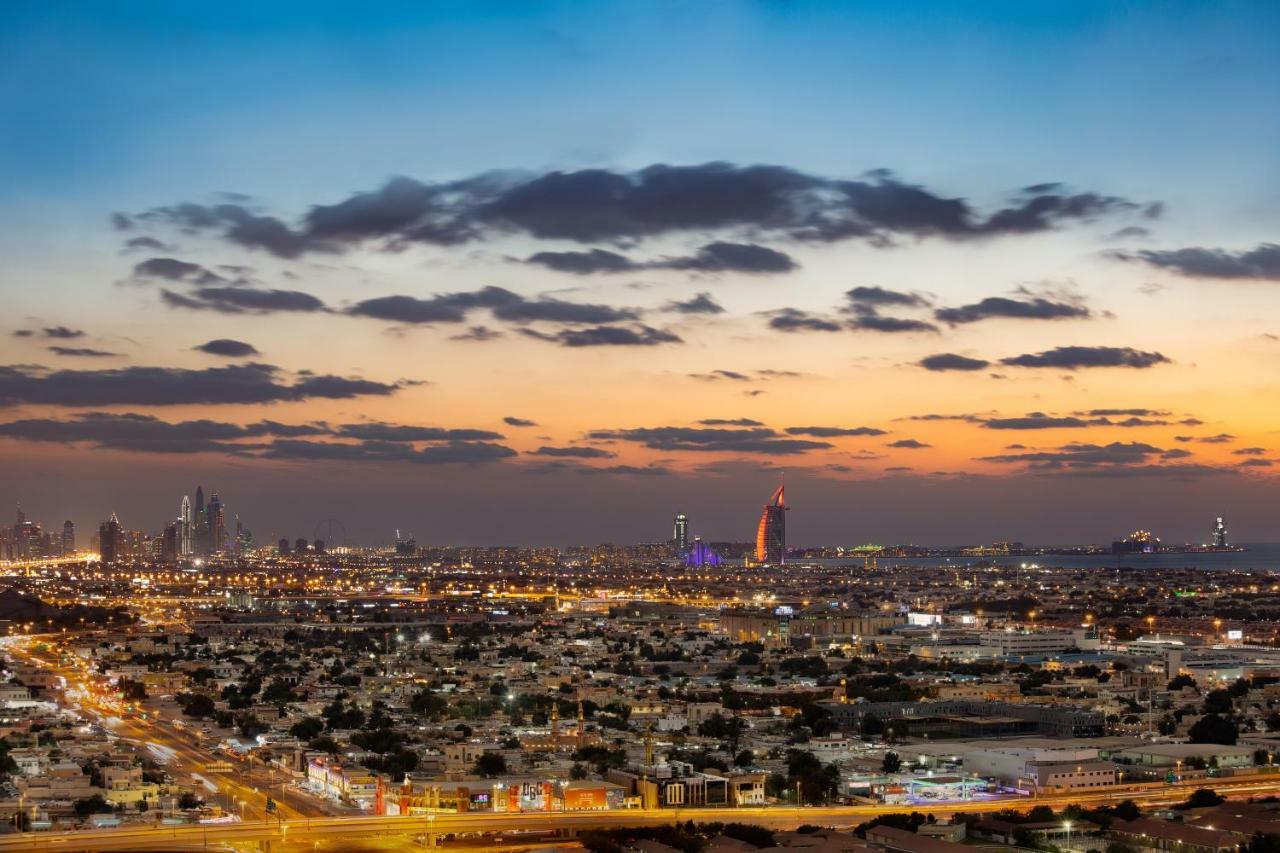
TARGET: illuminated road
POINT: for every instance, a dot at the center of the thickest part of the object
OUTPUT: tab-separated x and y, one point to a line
312	831
243	790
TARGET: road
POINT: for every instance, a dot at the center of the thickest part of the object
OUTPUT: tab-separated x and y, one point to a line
243	790
323	831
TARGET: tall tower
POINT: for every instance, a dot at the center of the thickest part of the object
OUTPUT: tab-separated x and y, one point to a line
680	533
771	533
1220	533
217	525
110	540
184	528
200	525
68	537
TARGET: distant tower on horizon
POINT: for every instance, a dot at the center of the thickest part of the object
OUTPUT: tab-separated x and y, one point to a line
680	533
184	528
68	537
110	540
1220	533
771	534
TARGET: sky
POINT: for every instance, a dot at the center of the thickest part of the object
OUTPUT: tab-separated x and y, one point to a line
549	273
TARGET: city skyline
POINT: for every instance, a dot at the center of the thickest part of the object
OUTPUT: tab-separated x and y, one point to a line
465	270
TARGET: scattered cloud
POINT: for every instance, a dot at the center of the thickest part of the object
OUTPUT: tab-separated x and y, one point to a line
795	320
573	452
511	420
749	440
1037	308
243	300
1076	357
607	336
81	352
908	444
228	348
833	432
1261	262
171	386
599	205
703	303
944	361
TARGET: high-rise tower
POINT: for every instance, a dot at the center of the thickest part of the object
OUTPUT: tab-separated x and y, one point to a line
217	525
771	534
184	528
68	537
1220	533
110	540
680	533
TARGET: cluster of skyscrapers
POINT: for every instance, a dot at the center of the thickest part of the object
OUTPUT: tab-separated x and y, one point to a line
199	531
27	540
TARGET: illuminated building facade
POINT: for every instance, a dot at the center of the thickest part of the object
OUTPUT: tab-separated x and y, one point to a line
680	533
771	534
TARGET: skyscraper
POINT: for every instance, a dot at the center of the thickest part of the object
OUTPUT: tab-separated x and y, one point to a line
184	528
680	533
68	537
169	542
771	534
1220	533
217	525
110	540
200	526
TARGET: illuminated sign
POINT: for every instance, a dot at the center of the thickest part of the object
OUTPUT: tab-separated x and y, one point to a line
1235	634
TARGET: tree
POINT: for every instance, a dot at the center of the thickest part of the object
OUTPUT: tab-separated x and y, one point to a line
490	764
1180	681
307	728
195	705
891	764
577	771
1212	728
1202	798
1127	810
188	800
92	805
746	758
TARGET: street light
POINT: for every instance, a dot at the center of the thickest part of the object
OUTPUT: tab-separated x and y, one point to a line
1068	826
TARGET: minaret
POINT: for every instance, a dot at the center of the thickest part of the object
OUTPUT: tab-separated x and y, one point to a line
648	745
582	723
555	721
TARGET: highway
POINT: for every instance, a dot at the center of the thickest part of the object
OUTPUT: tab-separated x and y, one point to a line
310	832
243	790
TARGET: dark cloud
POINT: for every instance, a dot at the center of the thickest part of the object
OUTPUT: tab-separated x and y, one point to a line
61	333
82	352
1254	463
1249	451
171	386
908	444
598	205
750	440
720	256
627	470
148	434
503	303
227	347
607	336
172	269
1075	357
952	361
1037	308
734	257
375	431
730	422
1261	262
833	432
573	452
880	297
454	452
149	243
703	303
1079	420
583	263
795	320
243	300
870	321
511	420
